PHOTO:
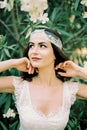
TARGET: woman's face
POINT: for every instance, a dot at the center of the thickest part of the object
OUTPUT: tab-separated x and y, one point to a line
40	50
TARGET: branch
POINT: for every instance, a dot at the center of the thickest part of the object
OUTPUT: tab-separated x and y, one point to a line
12	34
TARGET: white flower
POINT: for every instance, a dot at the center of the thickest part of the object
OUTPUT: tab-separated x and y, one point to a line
25	8
3	4
85	15
25	1
39	4
8	6
25	5
10	113
28	5
85	64
36	9
34	17
44	18
84	2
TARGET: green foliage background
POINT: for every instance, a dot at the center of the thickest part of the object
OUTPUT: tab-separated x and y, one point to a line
15	27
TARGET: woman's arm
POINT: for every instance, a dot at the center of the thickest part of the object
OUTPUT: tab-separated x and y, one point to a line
4	65
73	70
82	92
21	64
6	84
82	72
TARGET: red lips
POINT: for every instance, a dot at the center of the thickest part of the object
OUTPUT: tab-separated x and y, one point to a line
36	58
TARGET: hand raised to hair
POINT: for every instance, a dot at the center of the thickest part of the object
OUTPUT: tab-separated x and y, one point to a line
24	65
70	69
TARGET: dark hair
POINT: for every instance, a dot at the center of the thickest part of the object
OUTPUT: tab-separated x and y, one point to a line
60	57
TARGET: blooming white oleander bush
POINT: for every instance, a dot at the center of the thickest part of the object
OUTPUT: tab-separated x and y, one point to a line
35	8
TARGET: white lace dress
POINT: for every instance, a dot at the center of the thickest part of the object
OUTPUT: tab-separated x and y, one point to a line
30	119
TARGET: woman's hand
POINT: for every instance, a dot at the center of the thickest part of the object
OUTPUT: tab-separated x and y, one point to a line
70	69
24	65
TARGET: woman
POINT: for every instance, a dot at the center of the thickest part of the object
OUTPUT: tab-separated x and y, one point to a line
44	93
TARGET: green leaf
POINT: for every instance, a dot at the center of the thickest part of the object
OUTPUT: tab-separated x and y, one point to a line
63	32
2	40
15	125
8	103
76	4
3	98
7	53
54	13
3	126
69	128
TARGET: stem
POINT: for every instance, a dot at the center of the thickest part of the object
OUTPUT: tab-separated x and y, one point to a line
15	28
2	22
14	25
12	34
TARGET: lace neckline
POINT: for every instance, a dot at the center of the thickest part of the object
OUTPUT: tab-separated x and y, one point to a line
51	114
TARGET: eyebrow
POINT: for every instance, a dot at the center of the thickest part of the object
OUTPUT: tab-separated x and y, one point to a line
38	43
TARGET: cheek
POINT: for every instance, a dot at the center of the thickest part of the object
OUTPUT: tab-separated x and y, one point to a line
49	56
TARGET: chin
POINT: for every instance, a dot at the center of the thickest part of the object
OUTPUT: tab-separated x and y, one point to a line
35	65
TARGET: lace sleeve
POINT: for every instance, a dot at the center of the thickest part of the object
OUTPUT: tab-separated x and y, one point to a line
73	89
17	83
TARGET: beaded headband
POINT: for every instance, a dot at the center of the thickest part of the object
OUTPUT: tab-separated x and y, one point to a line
52	37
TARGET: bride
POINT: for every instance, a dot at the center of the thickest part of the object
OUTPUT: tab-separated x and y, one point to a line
44	93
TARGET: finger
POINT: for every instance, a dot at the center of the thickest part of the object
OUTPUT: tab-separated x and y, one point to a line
63	74
28	63
59	66
63	65
32	70
37	70
67	63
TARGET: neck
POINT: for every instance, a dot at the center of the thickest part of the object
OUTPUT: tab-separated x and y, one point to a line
46	76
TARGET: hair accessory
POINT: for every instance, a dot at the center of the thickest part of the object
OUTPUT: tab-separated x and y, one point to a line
52	37
55	41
